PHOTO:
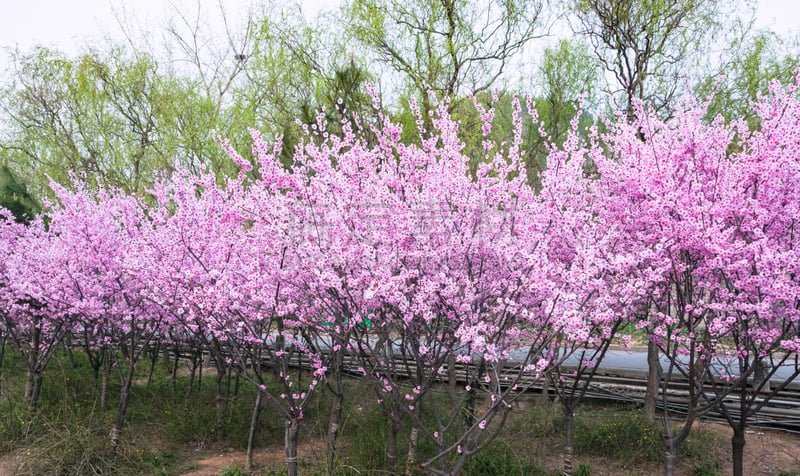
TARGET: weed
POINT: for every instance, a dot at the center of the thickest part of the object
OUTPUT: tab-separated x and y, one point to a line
366	448
625	436
706	468
233	470
583	470
500	458
543	419
701	446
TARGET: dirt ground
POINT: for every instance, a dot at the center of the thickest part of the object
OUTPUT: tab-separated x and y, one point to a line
264	459
766	452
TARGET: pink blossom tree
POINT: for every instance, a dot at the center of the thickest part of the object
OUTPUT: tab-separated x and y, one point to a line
36	303
101	234
755	316
687	199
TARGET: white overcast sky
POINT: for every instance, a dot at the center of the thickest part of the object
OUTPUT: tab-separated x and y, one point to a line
70	24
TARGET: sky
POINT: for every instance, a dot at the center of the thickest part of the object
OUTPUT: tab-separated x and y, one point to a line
70	24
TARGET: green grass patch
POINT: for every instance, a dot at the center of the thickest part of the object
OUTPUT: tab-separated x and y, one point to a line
166	423
626	436
501	458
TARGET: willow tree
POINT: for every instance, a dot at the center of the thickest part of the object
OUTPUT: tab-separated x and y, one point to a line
452	48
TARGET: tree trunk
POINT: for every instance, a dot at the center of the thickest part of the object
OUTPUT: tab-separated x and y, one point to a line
167	363
653	381
251	439
35	382
412	450
336	413
760	374
104	379
452	379
174	376
569	445
200	371
292	433
220	400
192	374
670	459
30	361
96	362
546	387
28	385
2	354
391	444
737	444
70	355
153	360
116	431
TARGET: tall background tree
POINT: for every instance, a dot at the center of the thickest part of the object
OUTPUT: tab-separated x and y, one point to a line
651	47
452	48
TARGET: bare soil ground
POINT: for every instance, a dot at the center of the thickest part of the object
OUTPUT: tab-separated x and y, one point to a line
766	452
212	462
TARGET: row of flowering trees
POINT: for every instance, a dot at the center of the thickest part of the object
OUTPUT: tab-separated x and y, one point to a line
401	258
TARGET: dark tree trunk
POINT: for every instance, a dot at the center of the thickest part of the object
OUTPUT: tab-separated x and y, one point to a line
220	401
569	445
737	444
35	382
167	363
452	379
412	450
174	376
124	397
96	362
3	338
336	412
200	370
70	355
292	433
192	374
31	361
546	387
251	438
761	374
104	380
670	458
391	444
153	359
653	381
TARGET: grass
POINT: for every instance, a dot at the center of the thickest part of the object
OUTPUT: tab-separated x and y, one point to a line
625	436
502	458
69	434
234	470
